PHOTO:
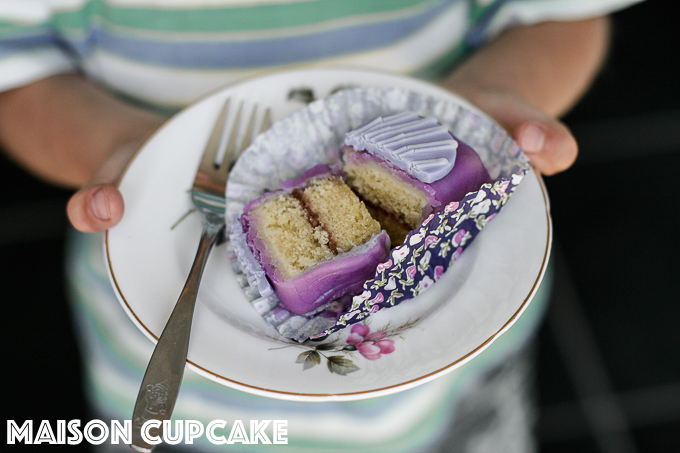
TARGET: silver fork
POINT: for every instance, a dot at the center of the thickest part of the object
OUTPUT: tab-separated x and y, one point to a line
163	377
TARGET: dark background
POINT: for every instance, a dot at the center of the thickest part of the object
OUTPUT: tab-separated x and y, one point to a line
609	368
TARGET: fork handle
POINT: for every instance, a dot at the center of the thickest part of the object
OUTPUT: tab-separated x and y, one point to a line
163	377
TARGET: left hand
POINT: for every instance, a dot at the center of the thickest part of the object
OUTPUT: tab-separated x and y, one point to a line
547	141
529	76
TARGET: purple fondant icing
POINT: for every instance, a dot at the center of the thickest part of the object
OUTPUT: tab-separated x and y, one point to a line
467	175
318	171
330	280
327	281
421	147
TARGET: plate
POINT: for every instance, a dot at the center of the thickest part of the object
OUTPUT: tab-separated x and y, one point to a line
481	295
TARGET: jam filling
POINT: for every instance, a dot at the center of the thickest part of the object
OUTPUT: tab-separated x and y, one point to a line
313	218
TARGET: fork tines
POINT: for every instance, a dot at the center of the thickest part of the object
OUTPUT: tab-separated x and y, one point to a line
232	145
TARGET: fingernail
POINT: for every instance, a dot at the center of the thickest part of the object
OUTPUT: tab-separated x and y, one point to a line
533	138
99	204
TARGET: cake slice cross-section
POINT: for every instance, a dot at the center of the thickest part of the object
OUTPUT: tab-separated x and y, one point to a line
315	240
405	167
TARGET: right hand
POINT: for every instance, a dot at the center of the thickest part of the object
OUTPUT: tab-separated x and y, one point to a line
99	205
67	130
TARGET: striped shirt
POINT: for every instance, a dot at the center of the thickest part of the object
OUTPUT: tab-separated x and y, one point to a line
169	52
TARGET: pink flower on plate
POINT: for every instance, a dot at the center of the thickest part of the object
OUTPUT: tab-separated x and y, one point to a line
371	345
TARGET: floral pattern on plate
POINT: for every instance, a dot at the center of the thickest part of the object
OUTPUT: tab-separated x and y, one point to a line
371	345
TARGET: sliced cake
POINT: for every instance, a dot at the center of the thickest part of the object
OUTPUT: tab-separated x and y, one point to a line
315	240
404	167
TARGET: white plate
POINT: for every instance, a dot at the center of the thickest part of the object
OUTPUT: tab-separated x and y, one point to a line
479	297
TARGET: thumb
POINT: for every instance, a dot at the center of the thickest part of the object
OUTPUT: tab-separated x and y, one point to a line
99	205
547	142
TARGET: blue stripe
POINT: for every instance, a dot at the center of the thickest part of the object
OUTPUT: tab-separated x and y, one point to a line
479	33
217	54
45	38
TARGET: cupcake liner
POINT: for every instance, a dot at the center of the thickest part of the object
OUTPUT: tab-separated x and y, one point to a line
315	135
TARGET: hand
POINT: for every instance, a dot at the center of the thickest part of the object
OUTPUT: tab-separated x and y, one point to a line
529	76
99	205
69	131
547	142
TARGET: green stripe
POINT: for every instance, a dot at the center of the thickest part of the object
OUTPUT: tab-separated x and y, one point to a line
441	67
477	11
9	28
236	19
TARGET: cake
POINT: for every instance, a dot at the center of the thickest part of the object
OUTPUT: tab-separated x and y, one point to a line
309	247
432	166
405	167
314	239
